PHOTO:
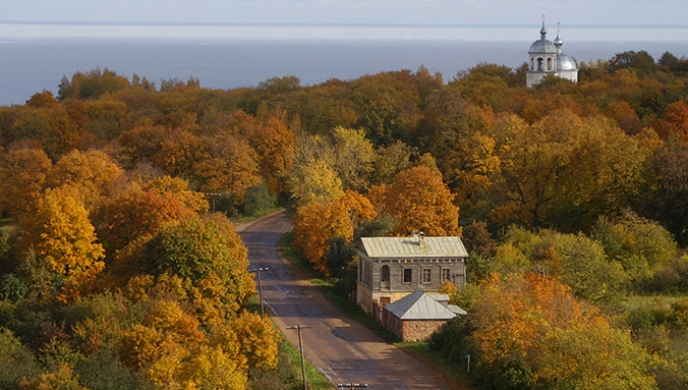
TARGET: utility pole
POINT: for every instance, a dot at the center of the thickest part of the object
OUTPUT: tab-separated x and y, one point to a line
352	386
212	196
260	288
298	328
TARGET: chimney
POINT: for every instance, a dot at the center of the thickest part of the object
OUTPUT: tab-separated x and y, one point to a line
421	240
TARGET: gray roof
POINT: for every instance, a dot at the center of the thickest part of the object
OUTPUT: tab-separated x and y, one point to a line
542	46
419	306
564	62
400	247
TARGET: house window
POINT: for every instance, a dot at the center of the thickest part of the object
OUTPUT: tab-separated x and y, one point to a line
446	274
427	272
408	275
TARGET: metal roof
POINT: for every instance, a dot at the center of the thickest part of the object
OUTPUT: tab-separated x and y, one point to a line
419	306
401	247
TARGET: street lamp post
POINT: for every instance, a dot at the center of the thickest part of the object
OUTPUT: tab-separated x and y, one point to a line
298	328
260	288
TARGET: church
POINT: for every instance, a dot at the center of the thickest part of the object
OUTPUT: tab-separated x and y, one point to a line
546	58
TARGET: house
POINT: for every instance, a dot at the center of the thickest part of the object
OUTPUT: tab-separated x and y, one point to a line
390	268
418	315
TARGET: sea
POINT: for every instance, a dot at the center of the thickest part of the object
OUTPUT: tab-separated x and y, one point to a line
34	56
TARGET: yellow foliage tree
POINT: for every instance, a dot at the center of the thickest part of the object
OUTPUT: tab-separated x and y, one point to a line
93	172
259	339
62	234
172	351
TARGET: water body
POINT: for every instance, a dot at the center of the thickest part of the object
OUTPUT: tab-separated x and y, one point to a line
35	57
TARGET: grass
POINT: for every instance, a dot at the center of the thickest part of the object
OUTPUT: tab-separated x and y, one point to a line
289	366
315	379
440	366
658	301
249	218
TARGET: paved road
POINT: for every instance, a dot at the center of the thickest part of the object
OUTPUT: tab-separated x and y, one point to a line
344	350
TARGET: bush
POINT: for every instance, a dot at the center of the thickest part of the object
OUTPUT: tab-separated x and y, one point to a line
257	199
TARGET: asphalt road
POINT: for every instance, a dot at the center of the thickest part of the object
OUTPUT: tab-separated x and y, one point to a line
342	349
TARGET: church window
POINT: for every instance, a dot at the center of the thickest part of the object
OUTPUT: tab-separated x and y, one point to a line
540	61
549	64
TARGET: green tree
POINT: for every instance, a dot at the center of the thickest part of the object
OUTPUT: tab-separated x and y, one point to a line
206	253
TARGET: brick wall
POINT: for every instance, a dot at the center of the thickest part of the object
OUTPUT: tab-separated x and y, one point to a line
420	330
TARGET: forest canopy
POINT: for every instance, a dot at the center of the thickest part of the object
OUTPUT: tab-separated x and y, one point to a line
117	248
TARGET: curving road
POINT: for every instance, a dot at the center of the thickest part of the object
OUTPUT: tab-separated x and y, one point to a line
342	349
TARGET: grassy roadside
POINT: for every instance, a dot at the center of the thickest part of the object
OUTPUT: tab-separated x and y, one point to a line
289	365
345	306
315	379
449	372
250	218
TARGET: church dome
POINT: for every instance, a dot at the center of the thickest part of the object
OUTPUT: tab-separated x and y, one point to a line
565	62
542	46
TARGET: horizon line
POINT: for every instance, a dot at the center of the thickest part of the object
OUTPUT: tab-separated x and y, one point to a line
338	25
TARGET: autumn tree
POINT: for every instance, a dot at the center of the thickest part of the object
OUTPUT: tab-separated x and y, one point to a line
390	160
640	245
314	181
533	324
232	166
674	121
352	158
667	202
316	223
23	173
388	105
140	144
207	254
92	172
421	201
62	235
172	351
138	212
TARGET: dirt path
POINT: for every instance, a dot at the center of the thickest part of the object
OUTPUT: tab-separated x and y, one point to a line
344	350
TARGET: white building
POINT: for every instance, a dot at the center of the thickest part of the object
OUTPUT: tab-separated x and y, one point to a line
546	59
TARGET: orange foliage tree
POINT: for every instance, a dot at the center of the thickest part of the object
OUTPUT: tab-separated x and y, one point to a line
317	222
421	201
23	173
536	323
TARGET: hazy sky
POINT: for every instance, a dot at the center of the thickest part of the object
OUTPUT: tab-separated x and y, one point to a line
330	12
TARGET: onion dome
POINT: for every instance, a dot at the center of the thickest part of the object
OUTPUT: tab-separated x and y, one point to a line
564	62
542	45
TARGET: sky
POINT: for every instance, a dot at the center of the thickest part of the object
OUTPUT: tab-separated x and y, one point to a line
350	12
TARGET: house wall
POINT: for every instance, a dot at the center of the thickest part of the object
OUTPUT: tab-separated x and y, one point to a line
369	290
419	330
